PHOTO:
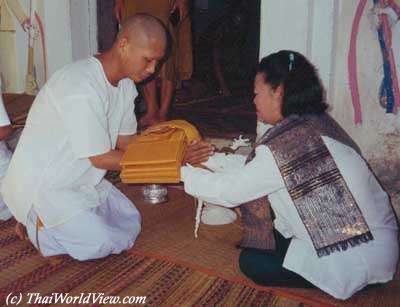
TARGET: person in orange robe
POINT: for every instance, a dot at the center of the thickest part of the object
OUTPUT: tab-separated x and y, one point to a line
177	67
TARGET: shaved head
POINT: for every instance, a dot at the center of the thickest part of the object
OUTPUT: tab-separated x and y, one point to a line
140	46
143	30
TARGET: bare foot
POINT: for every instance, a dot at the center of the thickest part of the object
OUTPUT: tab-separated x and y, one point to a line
21	231
238	212
55	260
148	120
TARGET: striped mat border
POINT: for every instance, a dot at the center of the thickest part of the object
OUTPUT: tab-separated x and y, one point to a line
164	283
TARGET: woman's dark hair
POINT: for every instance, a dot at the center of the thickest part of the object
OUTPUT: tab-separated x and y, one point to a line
302	89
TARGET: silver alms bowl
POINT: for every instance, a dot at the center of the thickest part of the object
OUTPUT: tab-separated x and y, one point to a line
155	193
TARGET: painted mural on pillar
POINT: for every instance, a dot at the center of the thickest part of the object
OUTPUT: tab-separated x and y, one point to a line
22	31
387	14
384	17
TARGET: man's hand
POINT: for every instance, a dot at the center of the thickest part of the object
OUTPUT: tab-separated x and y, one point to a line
5	132
198	152
119	8
123	141
108	161
183	7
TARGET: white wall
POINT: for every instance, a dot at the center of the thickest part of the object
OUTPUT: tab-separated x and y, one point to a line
321	31
57	23
305	26
83	28
71	31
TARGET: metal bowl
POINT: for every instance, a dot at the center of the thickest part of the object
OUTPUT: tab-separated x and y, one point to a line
155	193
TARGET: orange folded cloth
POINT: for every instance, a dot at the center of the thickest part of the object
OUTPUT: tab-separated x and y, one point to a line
156	155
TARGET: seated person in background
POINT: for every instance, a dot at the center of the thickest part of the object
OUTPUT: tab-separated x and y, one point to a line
78	127
5	154
333	225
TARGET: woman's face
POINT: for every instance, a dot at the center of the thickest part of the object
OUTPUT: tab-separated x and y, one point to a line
268	101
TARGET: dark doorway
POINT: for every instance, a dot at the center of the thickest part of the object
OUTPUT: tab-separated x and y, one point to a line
226	39
226	44
107	26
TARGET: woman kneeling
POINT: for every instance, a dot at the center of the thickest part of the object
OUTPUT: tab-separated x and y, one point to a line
313	212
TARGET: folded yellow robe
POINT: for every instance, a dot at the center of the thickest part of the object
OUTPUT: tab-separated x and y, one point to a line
156	155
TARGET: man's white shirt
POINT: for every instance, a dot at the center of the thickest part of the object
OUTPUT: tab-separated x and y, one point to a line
76	115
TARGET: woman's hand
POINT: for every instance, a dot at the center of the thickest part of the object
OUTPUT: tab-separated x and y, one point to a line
5	132
198	152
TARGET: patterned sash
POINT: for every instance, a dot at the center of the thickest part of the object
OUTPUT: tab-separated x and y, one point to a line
318	190
258	224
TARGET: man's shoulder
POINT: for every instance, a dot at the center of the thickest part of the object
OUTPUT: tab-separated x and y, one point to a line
82	77
79	71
